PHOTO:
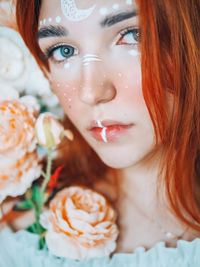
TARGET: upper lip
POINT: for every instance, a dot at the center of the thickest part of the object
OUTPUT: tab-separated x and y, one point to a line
106	123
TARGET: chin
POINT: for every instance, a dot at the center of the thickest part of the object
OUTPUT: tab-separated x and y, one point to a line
119	160
123	157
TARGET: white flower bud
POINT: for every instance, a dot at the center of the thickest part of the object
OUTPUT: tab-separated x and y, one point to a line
49	131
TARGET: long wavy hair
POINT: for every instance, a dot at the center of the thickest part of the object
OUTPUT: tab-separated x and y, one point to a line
170	41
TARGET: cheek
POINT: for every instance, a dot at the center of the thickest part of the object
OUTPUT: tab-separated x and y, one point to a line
67	94
129	83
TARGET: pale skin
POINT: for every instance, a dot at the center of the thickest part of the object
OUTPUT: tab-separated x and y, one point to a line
108	87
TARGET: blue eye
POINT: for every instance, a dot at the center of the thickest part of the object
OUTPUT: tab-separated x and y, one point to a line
129	37
61	53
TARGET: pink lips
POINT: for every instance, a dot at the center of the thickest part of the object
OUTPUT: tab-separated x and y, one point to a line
114	130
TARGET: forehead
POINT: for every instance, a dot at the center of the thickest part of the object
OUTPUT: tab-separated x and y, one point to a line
79	10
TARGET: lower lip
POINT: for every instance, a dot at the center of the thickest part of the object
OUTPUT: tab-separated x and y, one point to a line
113	132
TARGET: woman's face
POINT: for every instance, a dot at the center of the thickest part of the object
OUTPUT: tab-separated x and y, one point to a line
95	69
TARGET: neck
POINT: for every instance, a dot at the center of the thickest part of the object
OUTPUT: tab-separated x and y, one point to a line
139	183
141	208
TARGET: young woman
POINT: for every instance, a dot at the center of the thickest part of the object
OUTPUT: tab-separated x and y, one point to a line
127	76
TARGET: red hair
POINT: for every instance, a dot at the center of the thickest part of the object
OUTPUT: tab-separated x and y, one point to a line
170	38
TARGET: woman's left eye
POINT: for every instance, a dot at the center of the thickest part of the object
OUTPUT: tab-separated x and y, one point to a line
129	37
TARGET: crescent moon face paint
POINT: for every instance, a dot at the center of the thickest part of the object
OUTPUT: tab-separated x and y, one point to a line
72	13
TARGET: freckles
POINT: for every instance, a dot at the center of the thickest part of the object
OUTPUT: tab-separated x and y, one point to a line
67	99
66	94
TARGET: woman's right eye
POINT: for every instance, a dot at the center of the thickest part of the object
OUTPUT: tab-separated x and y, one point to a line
60	53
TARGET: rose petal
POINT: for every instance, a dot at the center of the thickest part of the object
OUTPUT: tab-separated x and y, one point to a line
81	226
61	245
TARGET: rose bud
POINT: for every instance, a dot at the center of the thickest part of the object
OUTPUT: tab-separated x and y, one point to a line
49	131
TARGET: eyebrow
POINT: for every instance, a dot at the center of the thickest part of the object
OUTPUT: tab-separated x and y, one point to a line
52	31
60	31
111	20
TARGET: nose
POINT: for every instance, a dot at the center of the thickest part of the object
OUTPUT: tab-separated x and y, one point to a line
96	87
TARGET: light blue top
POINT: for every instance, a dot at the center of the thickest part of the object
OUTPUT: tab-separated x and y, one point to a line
20	250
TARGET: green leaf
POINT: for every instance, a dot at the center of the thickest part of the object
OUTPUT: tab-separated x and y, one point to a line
24	205
42	242
36	228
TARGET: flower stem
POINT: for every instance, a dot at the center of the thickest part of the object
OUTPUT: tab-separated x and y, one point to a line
48	171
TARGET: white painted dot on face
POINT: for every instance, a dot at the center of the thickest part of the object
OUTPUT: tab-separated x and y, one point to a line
65	94
67	66
129	2
58	85
115	6
58	19
134	53
120	74
103	11
69	99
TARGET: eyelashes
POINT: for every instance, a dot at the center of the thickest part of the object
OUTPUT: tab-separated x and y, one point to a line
62	52
130	36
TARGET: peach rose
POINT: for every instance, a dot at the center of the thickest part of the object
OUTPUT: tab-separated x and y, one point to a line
80	224
18	159
16	178
17	134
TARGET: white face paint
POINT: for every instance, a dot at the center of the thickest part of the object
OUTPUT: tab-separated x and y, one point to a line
99	124
115	6
72	13
49	20
103	132
67	66
134	53
58	19
88	58
103	11
129	2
